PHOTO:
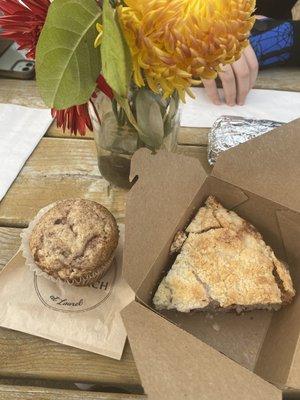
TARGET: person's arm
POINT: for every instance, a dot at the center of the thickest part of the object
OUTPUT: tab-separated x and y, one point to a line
276	42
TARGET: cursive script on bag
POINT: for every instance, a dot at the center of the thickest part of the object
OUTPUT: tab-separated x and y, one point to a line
66	302
70	299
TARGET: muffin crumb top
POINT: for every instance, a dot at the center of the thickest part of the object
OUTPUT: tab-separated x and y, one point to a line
73	238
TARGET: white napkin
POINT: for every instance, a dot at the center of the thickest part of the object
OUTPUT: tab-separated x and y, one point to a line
260	104
21	129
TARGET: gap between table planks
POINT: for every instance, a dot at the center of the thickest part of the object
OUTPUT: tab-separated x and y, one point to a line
39	393
70	170
186	136
36	393
28	357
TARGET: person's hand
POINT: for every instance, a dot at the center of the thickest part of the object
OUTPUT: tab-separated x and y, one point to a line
237	80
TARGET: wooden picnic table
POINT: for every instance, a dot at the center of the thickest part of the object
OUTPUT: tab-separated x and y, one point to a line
61	166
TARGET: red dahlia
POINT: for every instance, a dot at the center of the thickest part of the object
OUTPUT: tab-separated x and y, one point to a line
104	87
23	22
77	118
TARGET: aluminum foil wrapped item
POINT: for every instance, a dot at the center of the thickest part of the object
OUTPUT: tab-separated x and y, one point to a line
229	131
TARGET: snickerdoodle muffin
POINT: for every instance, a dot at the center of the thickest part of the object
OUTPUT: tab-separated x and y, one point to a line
75	241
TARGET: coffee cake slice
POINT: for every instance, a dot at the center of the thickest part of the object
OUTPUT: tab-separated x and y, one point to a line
224	264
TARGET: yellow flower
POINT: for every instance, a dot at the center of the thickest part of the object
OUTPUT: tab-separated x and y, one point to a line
176	43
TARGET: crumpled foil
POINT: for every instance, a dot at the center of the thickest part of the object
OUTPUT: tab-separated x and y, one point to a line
229	131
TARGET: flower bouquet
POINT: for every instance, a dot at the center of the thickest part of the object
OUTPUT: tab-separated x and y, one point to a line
120	67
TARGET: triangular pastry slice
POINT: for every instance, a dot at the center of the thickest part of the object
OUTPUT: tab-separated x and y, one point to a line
224	264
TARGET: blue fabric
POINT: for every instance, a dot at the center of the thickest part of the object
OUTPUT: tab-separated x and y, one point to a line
274	45
276	60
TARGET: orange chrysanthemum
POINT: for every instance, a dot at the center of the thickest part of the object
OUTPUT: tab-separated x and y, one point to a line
176	43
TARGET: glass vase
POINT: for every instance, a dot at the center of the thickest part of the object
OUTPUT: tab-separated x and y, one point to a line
154	124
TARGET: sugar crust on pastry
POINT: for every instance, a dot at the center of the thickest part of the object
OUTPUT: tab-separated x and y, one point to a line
224	264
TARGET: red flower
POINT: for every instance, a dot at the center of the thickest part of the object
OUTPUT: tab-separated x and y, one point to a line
77	118
104	87
23	22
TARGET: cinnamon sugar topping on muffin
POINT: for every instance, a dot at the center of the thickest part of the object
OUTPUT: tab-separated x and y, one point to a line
75	241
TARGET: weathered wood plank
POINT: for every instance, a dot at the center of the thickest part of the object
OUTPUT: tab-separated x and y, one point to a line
25	356
64	168
193	136
279	79
58	169
9	244
29	194
24	93
34	393
189	136
56	132
63	157
46	383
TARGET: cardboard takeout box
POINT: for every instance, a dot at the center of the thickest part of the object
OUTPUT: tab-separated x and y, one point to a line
227	356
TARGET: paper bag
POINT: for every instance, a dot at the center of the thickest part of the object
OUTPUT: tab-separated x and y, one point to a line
84	317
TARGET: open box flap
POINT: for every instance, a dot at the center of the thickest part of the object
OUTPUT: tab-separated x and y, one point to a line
293	381
282	366
149	222
267	165
159	348
289	224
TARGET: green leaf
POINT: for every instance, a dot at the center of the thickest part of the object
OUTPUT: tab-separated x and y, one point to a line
124	103
149	119
115	54
67	63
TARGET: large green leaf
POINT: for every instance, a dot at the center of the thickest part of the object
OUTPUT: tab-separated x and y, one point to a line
68	65
115	54
149	119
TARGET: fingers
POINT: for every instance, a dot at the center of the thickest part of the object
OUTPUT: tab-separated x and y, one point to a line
252	62
229	85
212	91
242	76
237	80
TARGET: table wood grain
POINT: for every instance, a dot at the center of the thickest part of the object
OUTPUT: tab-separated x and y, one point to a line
8	392
63	166
191	136
28	357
